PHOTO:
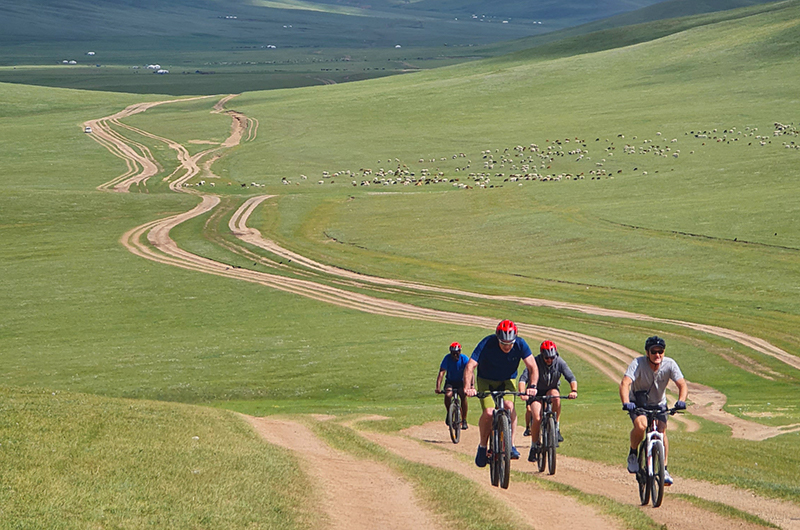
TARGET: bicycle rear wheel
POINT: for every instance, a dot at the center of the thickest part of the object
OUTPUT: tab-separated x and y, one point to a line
494	467
454	415
642	476
551	445
657	492
504	458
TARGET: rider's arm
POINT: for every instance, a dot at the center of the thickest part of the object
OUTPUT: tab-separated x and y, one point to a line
683	389
469	381
625	389
533	373
439	380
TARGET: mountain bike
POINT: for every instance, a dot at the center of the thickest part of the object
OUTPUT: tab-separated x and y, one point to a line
548	436
499	450
454	417
651	458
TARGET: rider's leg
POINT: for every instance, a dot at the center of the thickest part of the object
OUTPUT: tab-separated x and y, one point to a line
448	398
485	425
513	410
556	403
528	415
637	433
536	420
464	404
662	428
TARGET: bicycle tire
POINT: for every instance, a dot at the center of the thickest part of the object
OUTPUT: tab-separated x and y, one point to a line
541	458
504	470
551	446
657	489
642	477
494	471
454	418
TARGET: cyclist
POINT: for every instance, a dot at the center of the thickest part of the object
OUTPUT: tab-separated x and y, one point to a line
453	366
551	368
497	360
644	386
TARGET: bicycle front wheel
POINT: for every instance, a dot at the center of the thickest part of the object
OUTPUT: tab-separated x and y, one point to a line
642	477
551	445
541	458
504	458
494	444
657	492
454	417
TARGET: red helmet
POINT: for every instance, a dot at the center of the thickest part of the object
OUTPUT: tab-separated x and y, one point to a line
548	349
455	348
506	331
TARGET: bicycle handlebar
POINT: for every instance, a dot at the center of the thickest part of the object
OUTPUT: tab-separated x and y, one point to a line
671	411
499	393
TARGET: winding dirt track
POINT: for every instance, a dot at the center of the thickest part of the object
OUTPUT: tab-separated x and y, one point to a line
152	241
608	357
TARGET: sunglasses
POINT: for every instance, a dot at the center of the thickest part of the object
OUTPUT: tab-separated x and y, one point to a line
656	352
507	343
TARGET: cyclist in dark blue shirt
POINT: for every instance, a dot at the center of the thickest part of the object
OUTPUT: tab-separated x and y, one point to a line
453	366
497	359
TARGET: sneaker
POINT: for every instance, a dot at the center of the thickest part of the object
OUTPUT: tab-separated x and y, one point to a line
633	463
514	453
527	431
464	425
533	456
560	438
667	478
480	458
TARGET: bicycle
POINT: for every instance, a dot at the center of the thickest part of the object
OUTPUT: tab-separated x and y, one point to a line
454	417
548	436
499	450
651	458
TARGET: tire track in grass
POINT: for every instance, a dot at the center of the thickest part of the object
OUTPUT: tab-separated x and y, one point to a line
608	357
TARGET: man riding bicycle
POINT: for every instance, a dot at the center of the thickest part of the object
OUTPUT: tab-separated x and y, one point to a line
551	368
644	386
497	359
453	366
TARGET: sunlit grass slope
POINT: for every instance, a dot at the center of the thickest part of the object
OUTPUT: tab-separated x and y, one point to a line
82	461
623	242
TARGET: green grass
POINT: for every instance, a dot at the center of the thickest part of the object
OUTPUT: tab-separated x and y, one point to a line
78	461
81	314
725	510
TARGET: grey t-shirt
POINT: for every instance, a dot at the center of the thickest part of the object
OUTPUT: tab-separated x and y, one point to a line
644	378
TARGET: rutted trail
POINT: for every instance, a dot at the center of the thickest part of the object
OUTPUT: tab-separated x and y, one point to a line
346	486
608	357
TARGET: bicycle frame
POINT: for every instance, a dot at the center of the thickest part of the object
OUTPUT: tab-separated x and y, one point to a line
651	456
499	448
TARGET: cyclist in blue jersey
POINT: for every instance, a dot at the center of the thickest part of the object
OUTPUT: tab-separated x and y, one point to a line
453	367
497	359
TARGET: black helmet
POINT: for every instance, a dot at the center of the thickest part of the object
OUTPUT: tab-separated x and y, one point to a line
655	340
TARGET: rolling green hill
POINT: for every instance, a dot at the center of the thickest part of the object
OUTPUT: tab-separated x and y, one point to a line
709	236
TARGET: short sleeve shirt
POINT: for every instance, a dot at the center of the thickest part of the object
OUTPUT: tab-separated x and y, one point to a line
644	378
495	365
454	367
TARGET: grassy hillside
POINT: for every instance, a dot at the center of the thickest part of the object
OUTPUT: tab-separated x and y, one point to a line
80	461
709	236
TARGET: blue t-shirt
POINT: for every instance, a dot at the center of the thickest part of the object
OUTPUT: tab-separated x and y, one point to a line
495	365
454	367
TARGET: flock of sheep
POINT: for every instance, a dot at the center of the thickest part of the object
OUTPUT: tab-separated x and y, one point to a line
564	159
